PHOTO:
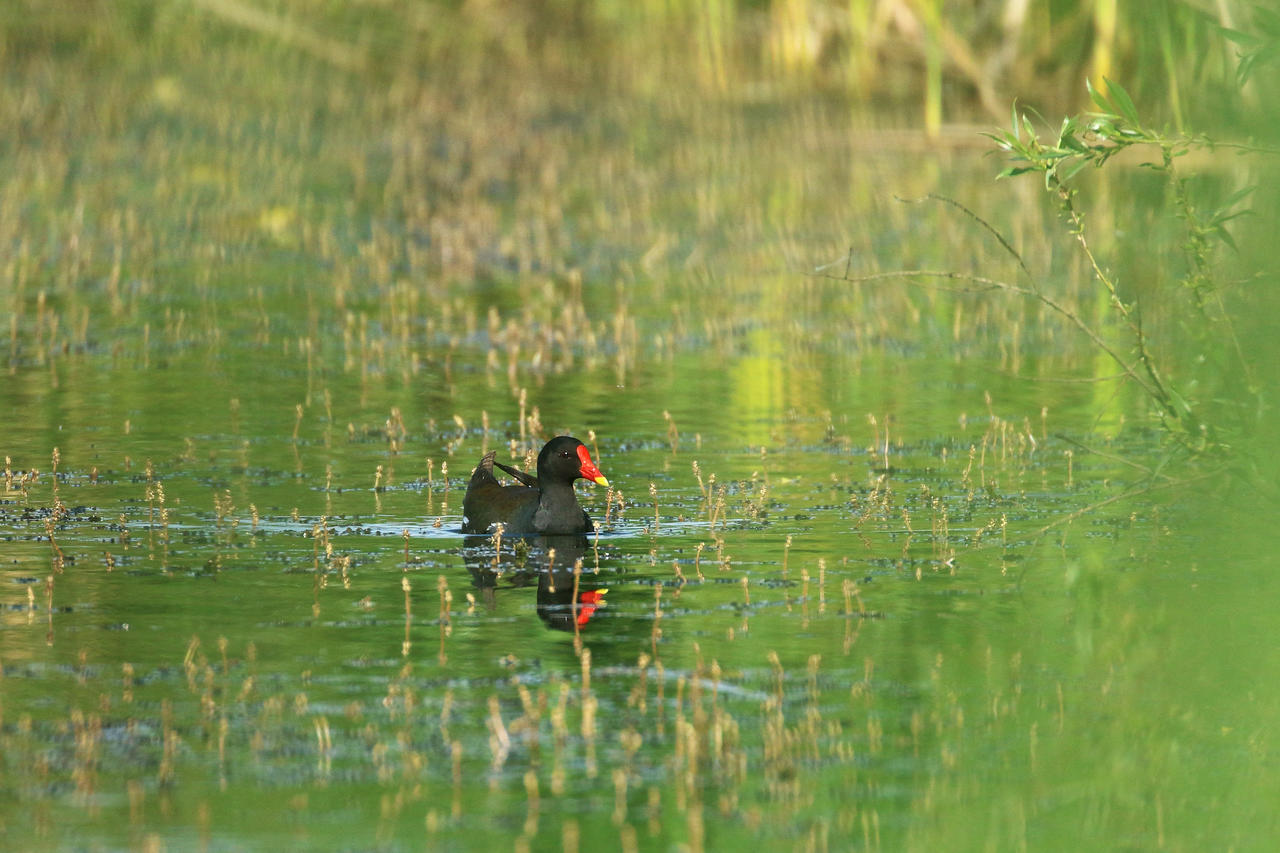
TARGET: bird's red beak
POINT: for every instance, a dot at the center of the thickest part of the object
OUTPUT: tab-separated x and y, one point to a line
589	469
588	602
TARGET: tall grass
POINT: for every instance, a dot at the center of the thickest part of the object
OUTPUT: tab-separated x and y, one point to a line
943	61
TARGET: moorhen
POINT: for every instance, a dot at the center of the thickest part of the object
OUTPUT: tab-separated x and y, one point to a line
542	504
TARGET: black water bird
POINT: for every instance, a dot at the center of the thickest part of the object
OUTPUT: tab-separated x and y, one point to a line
543	504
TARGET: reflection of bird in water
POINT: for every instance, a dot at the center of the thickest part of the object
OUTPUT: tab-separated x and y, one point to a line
549	559
556	603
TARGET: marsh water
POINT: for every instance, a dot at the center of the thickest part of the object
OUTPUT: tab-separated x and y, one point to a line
886	563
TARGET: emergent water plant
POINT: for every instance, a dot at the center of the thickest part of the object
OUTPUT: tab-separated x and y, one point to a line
1197	420
1093	139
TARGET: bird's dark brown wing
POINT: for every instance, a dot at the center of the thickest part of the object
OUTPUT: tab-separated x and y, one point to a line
488	502
524	477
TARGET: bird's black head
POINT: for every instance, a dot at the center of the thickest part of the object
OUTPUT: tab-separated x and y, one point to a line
565	459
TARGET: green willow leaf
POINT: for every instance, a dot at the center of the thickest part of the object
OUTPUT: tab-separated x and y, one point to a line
1123	101
1014	171
1225	236
1101	102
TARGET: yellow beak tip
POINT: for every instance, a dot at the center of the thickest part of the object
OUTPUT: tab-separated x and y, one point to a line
601	480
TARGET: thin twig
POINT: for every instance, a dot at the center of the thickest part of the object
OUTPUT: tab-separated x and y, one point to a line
1112	456
978	219
996	284
1137	490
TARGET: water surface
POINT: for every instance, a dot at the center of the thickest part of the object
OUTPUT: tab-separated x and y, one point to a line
887	565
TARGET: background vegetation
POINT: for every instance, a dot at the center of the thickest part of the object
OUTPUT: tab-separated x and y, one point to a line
945	62
318	128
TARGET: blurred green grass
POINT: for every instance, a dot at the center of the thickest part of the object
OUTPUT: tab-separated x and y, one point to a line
948	62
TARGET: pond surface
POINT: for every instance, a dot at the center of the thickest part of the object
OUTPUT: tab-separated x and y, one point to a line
883	565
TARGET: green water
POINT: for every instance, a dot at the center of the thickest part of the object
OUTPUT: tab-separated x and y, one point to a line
915	571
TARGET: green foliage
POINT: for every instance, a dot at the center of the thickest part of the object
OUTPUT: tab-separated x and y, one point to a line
1093	139
973	55
1258	48
1089	139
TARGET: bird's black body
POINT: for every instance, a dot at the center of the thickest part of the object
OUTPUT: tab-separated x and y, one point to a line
544	504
